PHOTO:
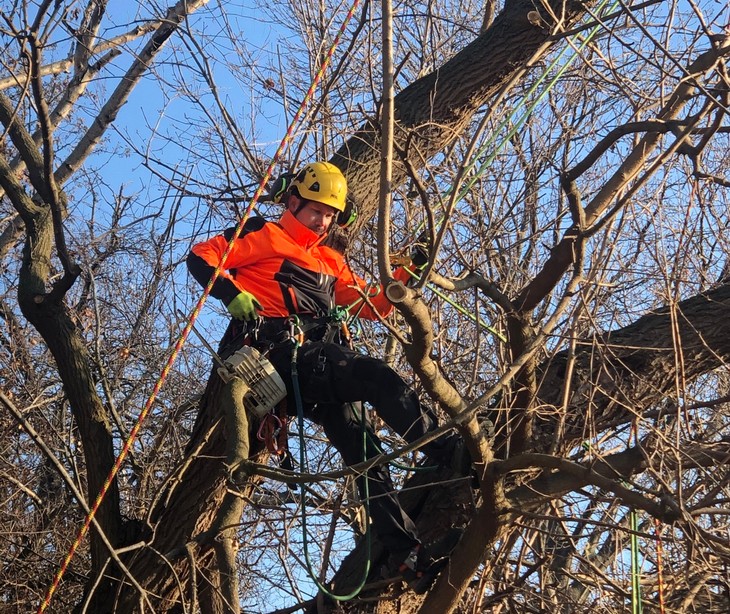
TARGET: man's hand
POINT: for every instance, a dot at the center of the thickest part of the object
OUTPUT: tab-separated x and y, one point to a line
244	306
420	254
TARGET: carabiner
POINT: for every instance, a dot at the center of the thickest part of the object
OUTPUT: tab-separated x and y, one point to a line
296	334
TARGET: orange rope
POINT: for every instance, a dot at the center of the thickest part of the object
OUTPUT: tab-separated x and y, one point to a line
193	317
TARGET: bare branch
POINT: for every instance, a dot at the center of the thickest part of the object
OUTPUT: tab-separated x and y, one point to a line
175	16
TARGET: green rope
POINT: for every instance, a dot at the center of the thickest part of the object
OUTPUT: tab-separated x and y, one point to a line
487	161
636	606
395	464
303	468
461	309
529	109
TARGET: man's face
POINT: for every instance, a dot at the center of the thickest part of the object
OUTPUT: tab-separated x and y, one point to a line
316	216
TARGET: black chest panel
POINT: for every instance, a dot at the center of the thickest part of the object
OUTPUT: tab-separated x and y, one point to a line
305	291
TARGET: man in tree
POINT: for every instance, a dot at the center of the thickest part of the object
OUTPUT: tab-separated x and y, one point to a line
281	282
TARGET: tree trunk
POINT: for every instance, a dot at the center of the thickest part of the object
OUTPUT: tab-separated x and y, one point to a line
50	316
185	519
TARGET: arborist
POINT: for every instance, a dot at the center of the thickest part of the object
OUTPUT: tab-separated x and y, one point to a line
282	282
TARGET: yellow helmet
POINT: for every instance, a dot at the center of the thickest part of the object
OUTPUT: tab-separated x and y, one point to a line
322	182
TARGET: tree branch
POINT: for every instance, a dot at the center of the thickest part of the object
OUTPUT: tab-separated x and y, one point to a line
49	191
627	172
56	68
175	16
26	146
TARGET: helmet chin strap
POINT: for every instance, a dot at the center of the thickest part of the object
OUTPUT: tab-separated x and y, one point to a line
302	202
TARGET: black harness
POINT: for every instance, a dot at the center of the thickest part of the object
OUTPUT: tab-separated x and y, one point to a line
269	333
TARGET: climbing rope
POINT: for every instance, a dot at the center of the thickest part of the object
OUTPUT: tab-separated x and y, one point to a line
576	44
194	315
636	605
303	502
461	309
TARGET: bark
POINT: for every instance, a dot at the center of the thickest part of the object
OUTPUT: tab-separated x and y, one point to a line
48	313
185	521
186	509
455	92
225	598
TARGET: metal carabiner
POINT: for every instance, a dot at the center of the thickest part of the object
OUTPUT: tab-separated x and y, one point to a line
296	334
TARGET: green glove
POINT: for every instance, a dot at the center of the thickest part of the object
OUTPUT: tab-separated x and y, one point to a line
244	306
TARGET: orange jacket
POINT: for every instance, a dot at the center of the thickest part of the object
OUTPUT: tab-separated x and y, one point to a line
284	265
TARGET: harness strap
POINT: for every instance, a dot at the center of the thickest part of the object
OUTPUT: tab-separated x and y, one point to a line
280	331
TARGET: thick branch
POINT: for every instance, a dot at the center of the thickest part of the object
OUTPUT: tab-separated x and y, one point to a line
620	374
622	465
229	514
22	203
10	235
26	146
601	474
48	189
434	110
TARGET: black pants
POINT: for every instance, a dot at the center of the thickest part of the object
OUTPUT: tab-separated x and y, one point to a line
333	382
